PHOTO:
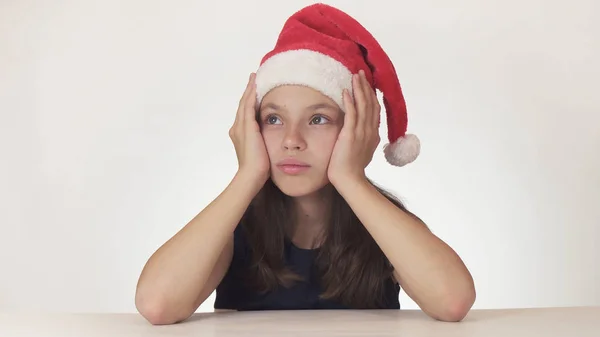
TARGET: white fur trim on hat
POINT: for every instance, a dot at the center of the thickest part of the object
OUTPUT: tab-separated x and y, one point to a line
304	67
403	151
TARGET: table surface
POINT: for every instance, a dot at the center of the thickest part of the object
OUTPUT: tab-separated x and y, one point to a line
547	322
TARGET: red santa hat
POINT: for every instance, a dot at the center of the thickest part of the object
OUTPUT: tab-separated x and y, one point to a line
321	47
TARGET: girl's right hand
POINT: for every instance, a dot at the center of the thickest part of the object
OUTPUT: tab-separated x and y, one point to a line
253	159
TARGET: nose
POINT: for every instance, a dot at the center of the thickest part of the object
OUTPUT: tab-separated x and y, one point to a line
293	141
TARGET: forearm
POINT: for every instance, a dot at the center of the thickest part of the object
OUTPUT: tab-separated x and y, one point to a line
427	268
176	273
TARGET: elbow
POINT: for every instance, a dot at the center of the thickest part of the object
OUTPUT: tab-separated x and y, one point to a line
155	310
457	307
455	312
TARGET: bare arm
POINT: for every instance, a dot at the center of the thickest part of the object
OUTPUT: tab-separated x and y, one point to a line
430	272
184	271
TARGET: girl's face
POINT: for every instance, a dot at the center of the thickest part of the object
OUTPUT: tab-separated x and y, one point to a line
300	127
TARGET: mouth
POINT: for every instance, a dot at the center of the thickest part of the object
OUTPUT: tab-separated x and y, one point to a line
292	166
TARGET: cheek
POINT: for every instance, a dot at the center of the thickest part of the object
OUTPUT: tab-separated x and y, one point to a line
323	145
272	141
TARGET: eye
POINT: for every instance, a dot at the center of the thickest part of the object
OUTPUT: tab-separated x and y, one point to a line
272	119
319	120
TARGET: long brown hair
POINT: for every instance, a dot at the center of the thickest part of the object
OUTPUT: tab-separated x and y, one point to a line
352	268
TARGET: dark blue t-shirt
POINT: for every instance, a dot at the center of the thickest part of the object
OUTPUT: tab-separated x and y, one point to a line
234	293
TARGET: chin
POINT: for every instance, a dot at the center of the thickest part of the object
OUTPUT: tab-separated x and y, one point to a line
298	186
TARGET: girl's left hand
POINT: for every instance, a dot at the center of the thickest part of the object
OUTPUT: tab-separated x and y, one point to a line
359	136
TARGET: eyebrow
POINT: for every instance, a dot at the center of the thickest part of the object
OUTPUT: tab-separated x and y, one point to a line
311	107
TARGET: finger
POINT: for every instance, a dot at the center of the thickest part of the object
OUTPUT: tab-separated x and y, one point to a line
376	110
250	105
367	92
240	116
366	88
350	115
371	101
361	103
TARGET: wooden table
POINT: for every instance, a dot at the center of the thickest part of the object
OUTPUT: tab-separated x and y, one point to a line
551	322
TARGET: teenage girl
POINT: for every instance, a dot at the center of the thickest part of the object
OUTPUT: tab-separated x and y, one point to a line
300	226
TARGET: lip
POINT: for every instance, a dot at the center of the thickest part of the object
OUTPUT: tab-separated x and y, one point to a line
292	166
292	162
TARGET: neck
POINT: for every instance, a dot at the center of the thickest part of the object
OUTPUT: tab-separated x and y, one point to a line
311	213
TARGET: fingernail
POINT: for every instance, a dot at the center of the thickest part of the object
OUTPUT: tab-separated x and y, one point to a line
348	95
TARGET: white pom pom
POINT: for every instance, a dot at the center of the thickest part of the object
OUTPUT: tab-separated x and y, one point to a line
403	151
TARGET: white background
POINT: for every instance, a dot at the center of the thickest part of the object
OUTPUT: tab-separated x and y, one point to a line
114	120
